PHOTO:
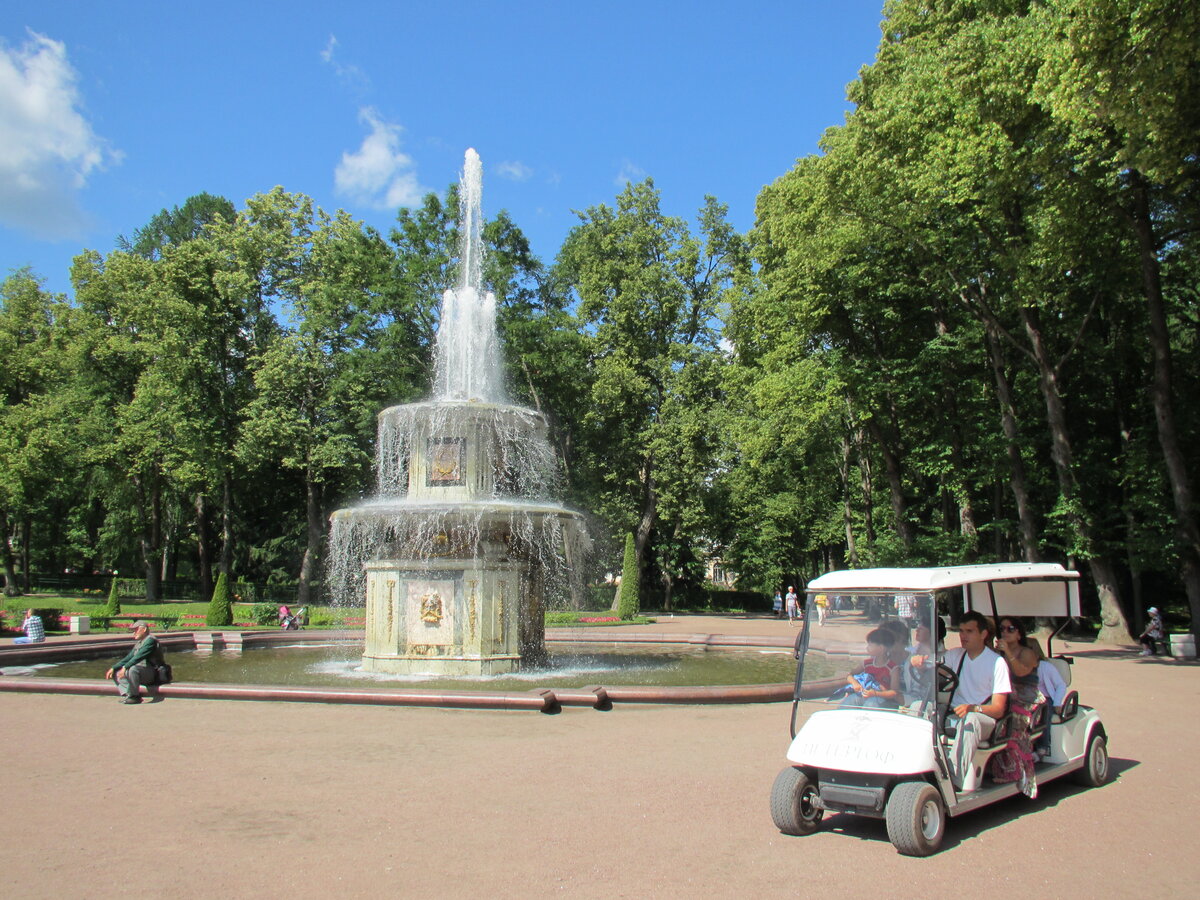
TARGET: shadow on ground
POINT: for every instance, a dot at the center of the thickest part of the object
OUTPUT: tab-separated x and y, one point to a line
971	825
1132	656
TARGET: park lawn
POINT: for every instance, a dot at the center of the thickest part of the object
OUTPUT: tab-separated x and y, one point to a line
14	609
319	616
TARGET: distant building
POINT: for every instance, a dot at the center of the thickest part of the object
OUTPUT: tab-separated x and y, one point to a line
717	573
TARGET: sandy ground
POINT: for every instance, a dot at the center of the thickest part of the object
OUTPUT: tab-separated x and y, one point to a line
193	798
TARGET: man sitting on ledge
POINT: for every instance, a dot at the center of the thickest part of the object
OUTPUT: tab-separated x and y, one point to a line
35	632
139	666
981	697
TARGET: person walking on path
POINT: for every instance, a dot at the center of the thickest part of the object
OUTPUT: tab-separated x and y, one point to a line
139	667
777	605
793	604
906	609
1154	634
822	604
35	632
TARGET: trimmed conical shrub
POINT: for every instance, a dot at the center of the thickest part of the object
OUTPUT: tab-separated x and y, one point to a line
628	599
220	610
113	606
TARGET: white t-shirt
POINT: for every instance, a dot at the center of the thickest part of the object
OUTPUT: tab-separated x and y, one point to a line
980	677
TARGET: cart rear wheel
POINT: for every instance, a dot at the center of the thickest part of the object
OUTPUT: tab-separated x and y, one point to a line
916	818
1095	766
793	803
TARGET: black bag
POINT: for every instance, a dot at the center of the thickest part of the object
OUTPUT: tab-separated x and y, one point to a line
163	673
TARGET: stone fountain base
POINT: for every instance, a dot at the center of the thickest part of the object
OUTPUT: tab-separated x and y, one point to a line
446	616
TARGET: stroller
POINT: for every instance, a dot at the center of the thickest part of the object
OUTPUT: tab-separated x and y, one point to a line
290	622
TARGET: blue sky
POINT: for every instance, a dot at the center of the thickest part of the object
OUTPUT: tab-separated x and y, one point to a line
111	112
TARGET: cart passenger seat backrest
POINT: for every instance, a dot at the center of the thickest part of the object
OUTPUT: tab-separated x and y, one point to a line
1063	666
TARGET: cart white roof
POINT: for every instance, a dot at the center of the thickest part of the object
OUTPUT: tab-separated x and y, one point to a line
1018	589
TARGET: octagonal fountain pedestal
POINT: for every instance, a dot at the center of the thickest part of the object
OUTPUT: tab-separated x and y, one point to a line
455	559
458	618
474	603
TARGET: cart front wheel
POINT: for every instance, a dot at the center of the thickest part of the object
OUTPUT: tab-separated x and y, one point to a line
1095	766
916	818
793	803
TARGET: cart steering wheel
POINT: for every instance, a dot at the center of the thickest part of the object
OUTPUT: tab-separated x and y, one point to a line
947	679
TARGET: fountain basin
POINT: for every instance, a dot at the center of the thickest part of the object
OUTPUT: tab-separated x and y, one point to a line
546	697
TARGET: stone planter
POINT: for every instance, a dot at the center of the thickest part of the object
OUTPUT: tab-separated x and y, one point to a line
1183	646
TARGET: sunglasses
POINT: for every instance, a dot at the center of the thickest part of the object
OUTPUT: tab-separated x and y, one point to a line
1009	628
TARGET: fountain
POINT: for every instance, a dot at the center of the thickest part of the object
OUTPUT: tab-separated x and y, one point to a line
463	542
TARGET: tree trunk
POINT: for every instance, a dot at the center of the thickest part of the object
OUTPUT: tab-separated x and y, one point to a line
151	539
847	506
1016	463
312	549
1160	392
867	483
226	563
26	536
641	536
12	588
1113	626
958	481
891	465
203	547
170	529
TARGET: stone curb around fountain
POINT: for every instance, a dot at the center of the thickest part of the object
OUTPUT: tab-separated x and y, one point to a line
546	700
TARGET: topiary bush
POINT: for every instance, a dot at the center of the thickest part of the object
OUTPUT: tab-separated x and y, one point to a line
113	606
629	596
220	610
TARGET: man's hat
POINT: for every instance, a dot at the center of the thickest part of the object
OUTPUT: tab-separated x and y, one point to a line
139	624
1153	610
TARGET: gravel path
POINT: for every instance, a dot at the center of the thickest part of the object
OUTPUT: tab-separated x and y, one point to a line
191	798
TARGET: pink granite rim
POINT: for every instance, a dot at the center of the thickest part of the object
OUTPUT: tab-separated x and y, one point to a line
541	699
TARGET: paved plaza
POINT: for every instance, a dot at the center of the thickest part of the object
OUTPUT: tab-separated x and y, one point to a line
193	798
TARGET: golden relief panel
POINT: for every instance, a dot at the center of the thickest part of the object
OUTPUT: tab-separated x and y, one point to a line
447	457
431	608
429	611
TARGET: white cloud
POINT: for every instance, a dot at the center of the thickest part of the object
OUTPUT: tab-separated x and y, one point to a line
348	73
378	174
629	172
48	148
514	171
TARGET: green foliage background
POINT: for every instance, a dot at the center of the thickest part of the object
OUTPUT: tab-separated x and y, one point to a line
965	331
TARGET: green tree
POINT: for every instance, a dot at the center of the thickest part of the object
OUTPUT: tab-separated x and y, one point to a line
220	608
312	404
178	225
1123	75
650	297
36	450
629	594
113	606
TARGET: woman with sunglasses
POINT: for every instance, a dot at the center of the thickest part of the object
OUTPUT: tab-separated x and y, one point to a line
1016	761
